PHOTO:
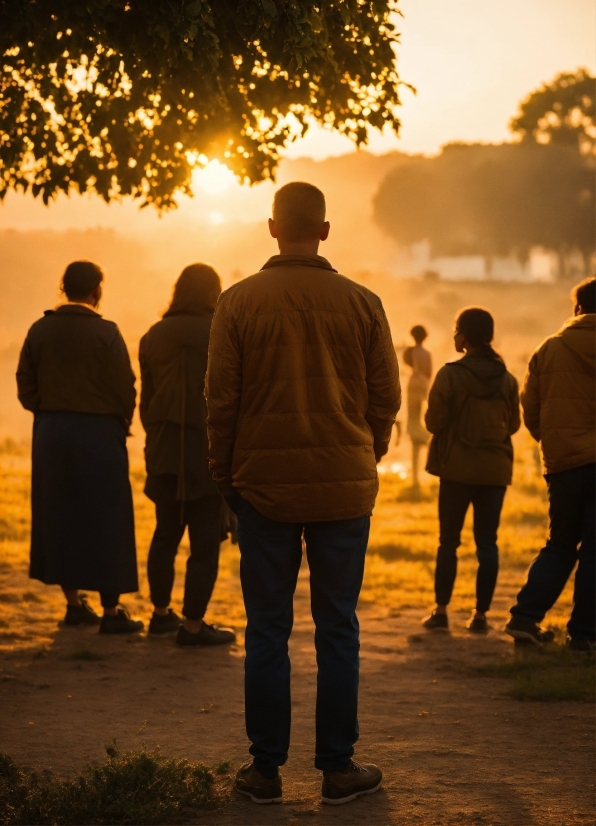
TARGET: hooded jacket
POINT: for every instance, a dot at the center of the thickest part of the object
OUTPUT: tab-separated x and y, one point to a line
473	410
302	391
558	395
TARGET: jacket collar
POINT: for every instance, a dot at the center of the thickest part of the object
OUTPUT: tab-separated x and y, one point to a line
316	261
587	321
74	307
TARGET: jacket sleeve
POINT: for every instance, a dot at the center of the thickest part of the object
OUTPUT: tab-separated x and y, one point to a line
437	412
514	417
223	388
147	385
382	381
125	378
530	398
27	386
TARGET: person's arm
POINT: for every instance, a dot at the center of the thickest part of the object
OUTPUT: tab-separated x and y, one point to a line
27	385
437	412
125	378
382	381
223	388
147	385
530	398
514	417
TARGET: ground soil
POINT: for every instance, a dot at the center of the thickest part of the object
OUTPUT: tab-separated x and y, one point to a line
454	748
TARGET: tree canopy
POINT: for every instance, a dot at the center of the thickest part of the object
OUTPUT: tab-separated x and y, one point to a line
124	97
499	200
562	111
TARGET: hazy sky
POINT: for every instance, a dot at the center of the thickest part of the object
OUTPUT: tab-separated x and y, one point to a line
471	62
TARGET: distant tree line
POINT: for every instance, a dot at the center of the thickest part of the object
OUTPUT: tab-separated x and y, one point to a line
499	200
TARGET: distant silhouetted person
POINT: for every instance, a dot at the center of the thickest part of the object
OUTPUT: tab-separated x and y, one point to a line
74	374
173	361
302	394
558	400
420	360
473	410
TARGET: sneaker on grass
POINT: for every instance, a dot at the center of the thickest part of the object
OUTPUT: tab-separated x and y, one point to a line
341	787
82	614
477	625
167	624
436	622
521	629
251	783
208	635
583	646
120	624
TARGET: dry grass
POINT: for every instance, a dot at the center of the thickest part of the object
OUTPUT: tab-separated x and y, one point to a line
399	571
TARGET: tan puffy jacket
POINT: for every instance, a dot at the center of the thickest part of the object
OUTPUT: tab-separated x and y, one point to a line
302	391
558	395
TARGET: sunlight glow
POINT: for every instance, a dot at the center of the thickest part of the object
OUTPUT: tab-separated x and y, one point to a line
216	218
213	178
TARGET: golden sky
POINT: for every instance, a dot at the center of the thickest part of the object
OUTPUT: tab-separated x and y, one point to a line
471	62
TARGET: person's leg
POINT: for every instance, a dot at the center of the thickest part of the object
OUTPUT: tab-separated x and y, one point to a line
270	557
204	517
454	500
168	534
551	569
415	463
487	501
109	603
72	597
336	552
582	624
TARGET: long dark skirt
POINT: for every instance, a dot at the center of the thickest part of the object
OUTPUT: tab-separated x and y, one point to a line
82	531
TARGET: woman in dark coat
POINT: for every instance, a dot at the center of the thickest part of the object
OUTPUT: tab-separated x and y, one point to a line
173	361
75	376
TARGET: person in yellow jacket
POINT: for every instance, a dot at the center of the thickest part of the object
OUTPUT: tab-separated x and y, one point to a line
558	400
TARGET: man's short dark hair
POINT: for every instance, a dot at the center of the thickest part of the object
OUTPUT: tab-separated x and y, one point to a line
477	325
584	295
299	211
80	279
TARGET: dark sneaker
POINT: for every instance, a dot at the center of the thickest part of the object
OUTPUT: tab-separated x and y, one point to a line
208	635
167	624
82	614
521	629
120	624
341	787
436	622
583	646
251	783
477	625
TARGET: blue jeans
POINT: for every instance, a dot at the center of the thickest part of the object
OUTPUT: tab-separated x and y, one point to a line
571	540
271	554
454	500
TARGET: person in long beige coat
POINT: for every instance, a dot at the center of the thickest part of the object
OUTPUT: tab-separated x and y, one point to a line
559	404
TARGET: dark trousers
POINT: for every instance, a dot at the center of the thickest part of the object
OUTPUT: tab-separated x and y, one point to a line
571	540
454	501
271	554
109	600
203	517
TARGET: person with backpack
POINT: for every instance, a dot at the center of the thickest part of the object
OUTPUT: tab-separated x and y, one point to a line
558	400
473	410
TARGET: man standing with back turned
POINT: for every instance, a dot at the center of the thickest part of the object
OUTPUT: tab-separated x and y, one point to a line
559	405
302	392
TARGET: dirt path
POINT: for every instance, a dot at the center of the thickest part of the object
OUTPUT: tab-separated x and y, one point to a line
454	748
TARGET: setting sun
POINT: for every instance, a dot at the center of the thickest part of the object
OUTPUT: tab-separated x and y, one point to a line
213	178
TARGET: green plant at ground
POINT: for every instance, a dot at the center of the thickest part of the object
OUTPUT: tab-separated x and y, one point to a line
550	674
140	787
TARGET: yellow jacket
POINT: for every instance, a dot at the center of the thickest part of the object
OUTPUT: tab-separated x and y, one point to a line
558	395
